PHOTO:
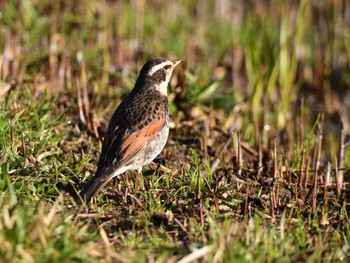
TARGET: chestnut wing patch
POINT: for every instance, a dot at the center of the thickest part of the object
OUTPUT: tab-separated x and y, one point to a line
133	143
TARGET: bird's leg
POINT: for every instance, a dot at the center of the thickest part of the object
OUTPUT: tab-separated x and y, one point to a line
127	182
130	183
126	195
138	179
115	182
116	189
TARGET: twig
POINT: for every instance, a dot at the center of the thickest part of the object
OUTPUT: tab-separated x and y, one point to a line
97	216
198	253
215	163
337	176
260	158
341	160
318	156
181	226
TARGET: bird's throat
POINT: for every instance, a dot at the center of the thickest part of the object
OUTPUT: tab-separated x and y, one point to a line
162	87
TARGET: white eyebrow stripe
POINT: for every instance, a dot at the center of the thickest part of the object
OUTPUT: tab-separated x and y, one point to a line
158	67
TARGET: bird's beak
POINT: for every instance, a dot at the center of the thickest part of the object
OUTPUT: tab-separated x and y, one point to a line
177	62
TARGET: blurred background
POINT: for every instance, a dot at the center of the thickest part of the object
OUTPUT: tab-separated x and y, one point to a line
272	70
258	154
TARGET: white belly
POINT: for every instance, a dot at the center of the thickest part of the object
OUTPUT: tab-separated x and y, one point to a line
155	146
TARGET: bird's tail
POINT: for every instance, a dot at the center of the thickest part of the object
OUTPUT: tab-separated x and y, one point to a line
93	187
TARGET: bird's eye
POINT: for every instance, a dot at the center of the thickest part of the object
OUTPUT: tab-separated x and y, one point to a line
167	67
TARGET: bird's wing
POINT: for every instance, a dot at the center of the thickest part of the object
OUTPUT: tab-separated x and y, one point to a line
118	151
120	146
133	143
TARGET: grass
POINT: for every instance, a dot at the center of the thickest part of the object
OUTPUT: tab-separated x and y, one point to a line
257	164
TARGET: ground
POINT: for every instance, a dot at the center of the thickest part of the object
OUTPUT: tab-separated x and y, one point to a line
257	164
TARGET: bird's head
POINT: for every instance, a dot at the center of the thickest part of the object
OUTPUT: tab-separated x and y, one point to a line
157	72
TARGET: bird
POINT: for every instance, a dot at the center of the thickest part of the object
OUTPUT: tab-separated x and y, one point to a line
138	130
